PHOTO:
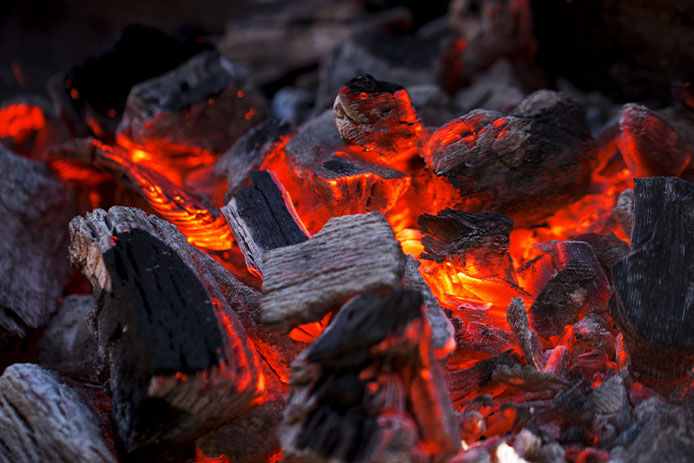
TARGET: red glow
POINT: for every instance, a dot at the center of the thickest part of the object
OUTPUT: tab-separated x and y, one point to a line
19	121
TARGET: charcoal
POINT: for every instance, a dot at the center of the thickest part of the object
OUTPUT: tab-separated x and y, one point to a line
609	399
202	224
383	48
177	357
666	435
552	452
348	255
473	455
442	332
608	249
42	419
465	385
528	378
252	436
481	337
262	218
493	29
649	145
559	254
318	157
67	346
36	208
558	361
495	89
653	283
369	388
527	339
201	107
384	122
527	444
525	164
559	302
458	236
97	88
249	152
283	39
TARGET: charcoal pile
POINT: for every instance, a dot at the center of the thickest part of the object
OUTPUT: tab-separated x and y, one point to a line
344	233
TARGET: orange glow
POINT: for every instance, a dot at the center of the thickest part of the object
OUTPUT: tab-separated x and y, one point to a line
307	332
19	121
196	222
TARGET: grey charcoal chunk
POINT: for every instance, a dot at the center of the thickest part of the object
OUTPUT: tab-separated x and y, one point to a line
36	208
349	255
44	420
67	346
654	283
205	104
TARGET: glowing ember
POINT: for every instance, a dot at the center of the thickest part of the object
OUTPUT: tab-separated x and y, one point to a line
19	121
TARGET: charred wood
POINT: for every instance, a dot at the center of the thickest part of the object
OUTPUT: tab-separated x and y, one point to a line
318	158
36	208
649	145
379	117
459	236
97	88
178	359
560	301
262	218
385	47
42	419
249	152
369	388
608	249
466	385
201	107
525	164
349	255
653	283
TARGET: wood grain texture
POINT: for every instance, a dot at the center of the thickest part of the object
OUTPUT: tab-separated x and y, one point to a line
349	255
262	218
42	419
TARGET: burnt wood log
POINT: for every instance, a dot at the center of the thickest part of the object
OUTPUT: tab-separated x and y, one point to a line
42	419
201	107
369	388
178	359
36	208
653	300
349	255
67	346
525	164
460	236
341	177
649	145
560	301
262	218
442	332
249	152
97	88
384	122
